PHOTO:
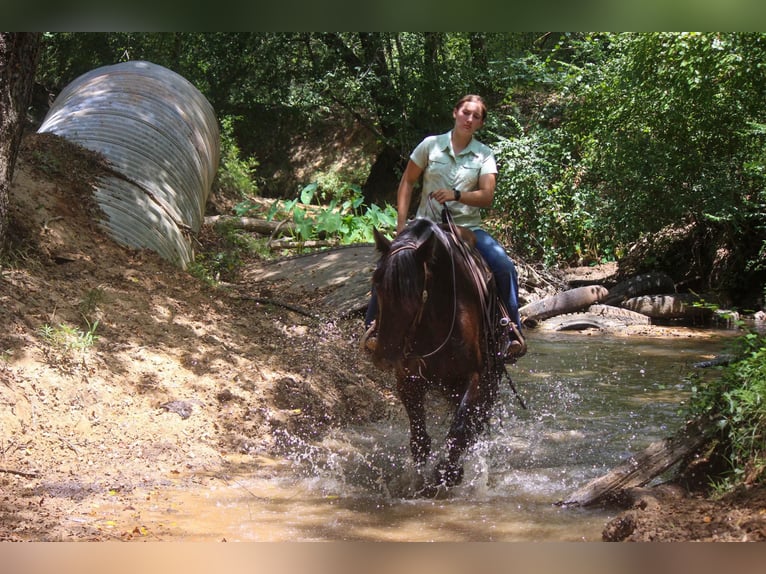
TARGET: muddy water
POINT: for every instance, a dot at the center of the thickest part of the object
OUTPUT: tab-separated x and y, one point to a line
592	402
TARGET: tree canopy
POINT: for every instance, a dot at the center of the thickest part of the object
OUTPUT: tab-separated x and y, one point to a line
602	139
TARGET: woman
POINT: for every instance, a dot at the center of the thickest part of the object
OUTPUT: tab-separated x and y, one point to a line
459	174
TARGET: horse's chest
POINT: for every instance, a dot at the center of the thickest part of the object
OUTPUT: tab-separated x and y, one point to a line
444	367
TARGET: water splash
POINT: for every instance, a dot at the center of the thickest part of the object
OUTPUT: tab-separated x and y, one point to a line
592	402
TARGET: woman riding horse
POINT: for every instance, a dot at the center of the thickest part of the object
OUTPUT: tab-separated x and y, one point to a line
438	312
459	175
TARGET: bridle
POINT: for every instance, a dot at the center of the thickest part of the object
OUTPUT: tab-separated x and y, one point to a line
417	319
479	282
490	305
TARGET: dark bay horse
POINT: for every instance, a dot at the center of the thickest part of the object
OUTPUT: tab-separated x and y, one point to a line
436	322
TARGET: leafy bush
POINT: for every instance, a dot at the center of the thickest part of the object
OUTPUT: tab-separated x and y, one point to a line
666	129
344	218
236	175
736	404
612	136
551	216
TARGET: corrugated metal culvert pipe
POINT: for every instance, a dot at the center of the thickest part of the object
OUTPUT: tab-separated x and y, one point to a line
160	135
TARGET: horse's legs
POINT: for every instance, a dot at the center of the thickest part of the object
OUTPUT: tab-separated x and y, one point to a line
412	392
470	417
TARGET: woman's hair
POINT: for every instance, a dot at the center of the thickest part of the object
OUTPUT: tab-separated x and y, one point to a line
476	99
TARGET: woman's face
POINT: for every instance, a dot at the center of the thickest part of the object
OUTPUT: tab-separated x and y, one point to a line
468	118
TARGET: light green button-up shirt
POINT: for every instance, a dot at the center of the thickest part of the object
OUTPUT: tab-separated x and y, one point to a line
443	169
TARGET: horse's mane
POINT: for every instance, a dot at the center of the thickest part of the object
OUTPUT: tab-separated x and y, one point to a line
402	264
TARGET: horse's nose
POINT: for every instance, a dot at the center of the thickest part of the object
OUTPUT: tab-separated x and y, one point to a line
384	357
381	362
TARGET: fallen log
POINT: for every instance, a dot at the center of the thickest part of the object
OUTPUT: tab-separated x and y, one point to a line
640	469
567	301
671	306
646	284
308	244
261	226
625	316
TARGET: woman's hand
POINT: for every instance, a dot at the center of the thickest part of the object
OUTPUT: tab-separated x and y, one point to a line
443	195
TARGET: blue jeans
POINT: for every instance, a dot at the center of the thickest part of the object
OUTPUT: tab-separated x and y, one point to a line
503	269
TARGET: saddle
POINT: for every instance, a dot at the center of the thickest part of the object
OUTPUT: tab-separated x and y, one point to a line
503	342
505	339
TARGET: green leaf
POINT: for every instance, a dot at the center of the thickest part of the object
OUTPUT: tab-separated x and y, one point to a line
308	192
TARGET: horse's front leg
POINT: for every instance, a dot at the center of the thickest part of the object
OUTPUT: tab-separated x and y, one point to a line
411	391
470	416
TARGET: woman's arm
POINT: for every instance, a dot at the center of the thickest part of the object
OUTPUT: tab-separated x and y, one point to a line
404	194
481	197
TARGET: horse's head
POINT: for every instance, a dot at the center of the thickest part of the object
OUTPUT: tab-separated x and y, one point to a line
399	281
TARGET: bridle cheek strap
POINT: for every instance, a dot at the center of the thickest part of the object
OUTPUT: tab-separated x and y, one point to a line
419	315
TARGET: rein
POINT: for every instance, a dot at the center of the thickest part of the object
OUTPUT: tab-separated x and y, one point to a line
454	306
478	280
491	306
423	300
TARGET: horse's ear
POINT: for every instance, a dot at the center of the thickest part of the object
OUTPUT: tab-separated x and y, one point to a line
426	247
382	243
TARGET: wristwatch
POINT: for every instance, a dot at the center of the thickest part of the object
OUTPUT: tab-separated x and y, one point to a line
457	194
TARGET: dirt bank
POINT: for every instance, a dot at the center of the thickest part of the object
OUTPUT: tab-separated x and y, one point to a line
180	378
122	375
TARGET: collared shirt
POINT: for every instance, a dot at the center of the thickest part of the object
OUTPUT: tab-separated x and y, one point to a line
443	169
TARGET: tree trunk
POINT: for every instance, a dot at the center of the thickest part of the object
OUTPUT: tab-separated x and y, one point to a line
261	226
480	62
639	470
18	62
383	179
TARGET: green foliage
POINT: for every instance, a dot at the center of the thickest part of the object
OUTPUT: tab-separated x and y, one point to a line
552	216
736	403
666	122
344	217
66	55
236	175
399	85
608	137
67	338
552	213
601	138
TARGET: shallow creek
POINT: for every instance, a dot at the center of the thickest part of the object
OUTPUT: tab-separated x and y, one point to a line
592	401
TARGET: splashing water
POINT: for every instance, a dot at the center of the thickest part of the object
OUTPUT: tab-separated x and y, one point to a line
592	402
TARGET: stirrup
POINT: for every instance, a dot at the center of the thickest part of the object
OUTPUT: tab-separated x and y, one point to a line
369	341
517	347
